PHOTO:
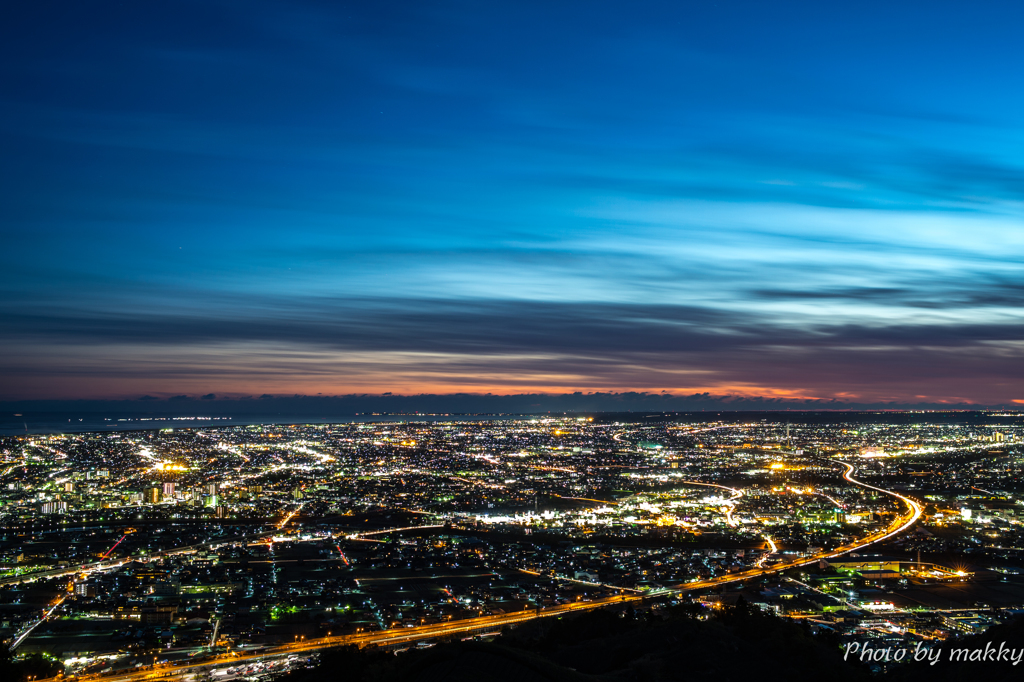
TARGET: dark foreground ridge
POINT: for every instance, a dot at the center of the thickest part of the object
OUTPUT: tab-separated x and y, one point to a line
681	643
737	643
732	644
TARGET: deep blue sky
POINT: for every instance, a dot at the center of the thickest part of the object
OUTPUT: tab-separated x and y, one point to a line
760	198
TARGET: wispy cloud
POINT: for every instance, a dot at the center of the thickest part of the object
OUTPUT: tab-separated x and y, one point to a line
415	346
511	197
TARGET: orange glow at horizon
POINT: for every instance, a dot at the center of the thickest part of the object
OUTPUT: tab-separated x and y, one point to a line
113	389
254	369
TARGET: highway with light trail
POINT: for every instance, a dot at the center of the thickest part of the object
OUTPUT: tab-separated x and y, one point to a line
399	636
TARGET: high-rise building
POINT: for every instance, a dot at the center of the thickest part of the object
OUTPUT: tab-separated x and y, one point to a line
168	489
153	495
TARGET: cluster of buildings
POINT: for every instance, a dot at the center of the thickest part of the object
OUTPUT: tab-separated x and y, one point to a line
123	546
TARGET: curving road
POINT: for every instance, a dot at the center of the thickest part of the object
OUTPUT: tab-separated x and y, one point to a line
395	636
899	524
490	623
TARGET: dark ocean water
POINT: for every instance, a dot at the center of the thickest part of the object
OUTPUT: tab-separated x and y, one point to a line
13	424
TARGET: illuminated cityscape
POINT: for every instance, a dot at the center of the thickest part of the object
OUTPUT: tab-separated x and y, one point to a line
249	547
511	341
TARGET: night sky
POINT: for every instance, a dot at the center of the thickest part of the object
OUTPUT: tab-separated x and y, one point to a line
781	199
